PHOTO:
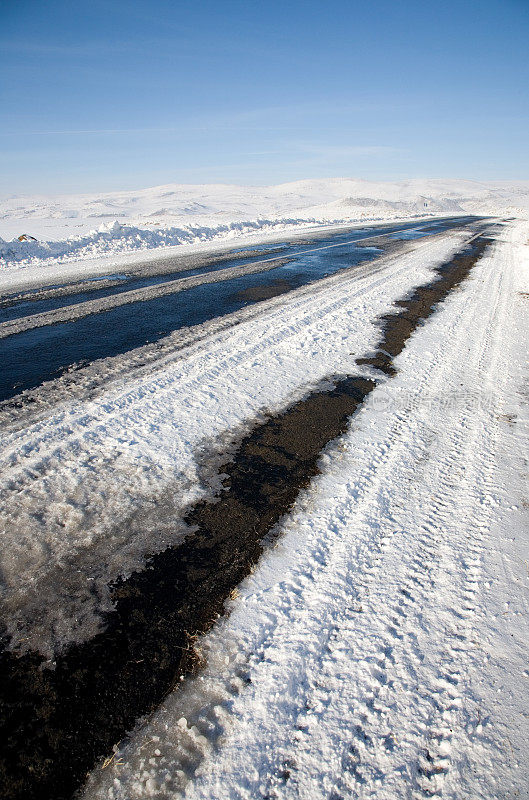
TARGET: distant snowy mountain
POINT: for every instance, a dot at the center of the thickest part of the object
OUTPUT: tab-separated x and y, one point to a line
80	226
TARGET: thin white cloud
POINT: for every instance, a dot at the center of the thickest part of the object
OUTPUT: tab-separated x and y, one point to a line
346	151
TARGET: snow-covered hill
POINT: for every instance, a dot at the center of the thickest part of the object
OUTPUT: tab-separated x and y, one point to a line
81	226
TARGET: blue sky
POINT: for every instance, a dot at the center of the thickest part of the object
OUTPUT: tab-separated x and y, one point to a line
126	94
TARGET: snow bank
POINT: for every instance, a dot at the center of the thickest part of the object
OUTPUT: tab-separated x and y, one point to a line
116	238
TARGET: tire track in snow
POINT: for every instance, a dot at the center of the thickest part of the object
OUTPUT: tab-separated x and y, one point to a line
346	625
395	658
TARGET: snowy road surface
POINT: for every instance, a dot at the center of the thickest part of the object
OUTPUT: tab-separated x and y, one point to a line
379	648
128	456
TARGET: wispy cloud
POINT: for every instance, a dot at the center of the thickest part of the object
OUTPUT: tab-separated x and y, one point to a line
332	152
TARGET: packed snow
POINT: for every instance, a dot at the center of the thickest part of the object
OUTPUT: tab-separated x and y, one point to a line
81	228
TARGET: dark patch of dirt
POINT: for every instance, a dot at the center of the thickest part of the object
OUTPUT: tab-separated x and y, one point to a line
57	723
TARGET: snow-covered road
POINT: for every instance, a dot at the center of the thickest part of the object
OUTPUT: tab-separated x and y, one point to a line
364	655
98	483
379	650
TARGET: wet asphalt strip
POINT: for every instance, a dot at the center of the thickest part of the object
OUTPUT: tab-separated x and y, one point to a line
41	354
163	270
37	355
57	723
43	300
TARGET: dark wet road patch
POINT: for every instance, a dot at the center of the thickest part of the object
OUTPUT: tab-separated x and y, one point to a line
52	347
44	353
48	299
256	293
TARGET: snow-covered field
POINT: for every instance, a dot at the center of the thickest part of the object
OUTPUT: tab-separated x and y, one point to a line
380	648
84	228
